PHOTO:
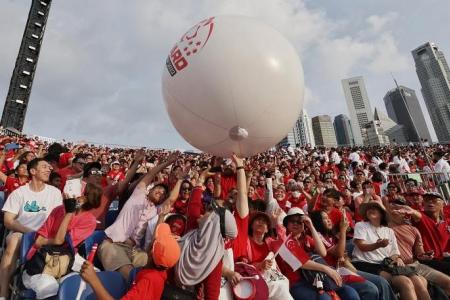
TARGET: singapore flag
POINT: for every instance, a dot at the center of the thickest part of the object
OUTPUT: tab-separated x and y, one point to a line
292	253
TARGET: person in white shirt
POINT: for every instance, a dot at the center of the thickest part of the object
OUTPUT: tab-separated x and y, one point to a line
335	156
354	156
374	242
441	166
401	162
25	210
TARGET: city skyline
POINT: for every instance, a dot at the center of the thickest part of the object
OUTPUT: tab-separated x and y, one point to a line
93	65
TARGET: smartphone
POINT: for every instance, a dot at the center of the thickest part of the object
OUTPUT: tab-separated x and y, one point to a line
73	188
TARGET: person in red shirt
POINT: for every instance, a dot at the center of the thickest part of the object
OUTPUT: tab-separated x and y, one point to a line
12	183
333	204
435	231
149	284
73	170
116	174
295	223
181	204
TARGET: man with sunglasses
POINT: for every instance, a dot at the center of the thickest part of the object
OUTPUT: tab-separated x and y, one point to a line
76	168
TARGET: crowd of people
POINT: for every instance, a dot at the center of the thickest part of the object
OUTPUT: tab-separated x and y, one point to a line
289	223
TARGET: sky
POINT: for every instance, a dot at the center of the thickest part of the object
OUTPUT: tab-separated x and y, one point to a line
99	73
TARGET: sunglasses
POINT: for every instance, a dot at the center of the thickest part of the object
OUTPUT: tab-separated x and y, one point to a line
298	221
185	188
96	172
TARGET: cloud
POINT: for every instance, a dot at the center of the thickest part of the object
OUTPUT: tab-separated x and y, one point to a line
98	77
378	22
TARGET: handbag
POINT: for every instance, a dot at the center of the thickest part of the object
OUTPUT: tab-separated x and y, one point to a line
392	268
52	260
319	280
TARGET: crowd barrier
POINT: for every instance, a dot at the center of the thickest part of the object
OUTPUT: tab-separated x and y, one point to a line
428	181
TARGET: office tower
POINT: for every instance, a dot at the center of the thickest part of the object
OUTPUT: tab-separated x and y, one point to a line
301	134
434	76
304	130
358	106
404	109
323	131
343	129
394	131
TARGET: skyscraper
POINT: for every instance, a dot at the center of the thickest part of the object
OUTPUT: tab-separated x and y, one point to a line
323	131
395	132
406	113
358	106
301	134
434	76
343	129
303	129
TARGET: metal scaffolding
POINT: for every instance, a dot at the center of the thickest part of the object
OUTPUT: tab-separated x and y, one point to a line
16	103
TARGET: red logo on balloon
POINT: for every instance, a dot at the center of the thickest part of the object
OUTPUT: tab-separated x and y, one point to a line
190	44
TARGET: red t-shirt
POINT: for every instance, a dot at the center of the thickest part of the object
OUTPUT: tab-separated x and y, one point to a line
116	175
180	207
80	227
435	236
64	159
149	285
335	215
259	252
261	192
226	184
12	184
65	173
240	243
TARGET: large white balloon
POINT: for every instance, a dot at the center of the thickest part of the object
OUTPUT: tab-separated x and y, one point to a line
233	84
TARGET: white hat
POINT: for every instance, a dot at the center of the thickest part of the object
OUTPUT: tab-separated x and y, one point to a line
293	211
116	162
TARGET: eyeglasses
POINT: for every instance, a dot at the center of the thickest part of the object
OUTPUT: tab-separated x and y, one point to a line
185	188
306	182
359	174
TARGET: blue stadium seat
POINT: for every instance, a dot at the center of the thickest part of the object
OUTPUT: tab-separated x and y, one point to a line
112	281
132	277
96	237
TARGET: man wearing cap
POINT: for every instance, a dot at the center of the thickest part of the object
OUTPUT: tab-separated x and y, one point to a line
149	281
410	244
435	231
115	175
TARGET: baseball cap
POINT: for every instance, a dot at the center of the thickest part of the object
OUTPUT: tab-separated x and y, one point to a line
116	162
292	211
433	195
165	251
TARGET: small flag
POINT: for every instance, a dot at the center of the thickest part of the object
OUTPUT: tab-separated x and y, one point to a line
292	253
349	276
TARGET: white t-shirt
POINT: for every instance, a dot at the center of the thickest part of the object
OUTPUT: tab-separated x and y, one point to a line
33	208
370	234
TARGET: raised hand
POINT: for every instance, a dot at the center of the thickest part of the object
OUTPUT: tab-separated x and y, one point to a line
239	162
